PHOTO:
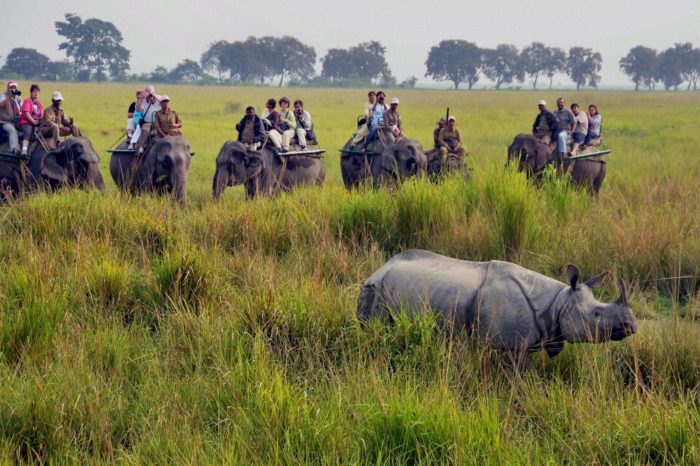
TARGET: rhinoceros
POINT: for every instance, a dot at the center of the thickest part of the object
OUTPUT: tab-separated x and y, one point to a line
512	308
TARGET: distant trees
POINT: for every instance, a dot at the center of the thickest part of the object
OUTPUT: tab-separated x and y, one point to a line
640	65
258	59
583	66
503	65
363	62
94	46
456	61
672	67
26	62
535	58
461	61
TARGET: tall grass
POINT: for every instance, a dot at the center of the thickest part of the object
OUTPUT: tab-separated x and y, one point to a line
139	331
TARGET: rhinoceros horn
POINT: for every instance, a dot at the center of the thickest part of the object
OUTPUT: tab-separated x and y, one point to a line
623	292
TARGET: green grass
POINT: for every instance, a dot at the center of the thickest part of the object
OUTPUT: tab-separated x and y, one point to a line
135	330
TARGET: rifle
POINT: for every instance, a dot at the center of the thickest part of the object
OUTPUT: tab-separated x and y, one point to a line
447	115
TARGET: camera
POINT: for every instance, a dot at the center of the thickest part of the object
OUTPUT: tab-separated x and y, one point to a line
16	92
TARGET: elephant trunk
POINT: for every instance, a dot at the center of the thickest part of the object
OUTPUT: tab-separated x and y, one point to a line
179	183
221	179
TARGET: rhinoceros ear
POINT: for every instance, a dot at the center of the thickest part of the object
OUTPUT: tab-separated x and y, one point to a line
572	274
595	282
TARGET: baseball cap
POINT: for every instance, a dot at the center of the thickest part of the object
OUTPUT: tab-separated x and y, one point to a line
541	102
164	98
452	118
56	96
394	101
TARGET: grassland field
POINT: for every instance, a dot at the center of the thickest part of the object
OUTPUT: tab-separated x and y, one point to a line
134	330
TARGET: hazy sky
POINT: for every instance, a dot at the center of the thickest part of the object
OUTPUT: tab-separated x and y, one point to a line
162	32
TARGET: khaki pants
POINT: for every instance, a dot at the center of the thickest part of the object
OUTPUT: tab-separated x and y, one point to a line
301	136
276	138
53	133
145	132
287	138
459	150
11	134
362	133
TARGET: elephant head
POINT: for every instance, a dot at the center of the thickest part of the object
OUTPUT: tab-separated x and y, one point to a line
533	155
165	167
74	163
235	165
400	160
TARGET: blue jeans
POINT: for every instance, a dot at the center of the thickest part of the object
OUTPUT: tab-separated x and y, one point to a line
371	136
589	137
561	138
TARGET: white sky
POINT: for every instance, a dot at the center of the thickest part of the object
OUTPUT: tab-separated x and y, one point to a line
162	32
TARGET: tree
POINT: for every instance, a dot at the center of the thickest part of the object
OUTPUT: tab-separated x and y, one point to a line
583	67
26	62
640	65
93	45
457	61
365	61
59	71
186	71
503	65
670	68
159	75
336	64
213	59
409	83
535	58
288	56
555	63
689	59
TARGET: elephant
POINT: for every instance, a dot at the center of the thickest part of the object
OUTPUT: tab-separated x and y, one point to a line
264	173
74	163
437	168
385	163
355	164
534	155
163	168
401	160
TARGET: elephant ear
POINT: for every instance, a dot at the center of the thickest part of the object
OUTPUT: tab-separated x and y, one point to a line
147	170
253	162
389	163
52	168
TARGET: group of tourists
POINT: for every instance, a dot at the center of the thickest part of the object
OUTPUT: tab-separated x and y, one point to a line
376	119
280	127
150	115
565	123
29	118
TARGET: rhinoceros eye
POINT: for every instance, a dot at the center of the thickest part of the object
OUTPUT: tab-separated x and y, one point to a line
596	314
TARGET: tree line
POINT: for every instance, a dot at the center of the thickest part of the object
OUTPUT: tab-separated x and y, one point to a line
95	52
672	67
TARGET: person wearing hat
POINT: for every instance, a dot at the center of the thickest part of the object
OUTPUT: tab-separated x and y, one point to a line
436	133
450	140
392	120
288	123
150	106
166	120
10	108
55	125
30	116
546	126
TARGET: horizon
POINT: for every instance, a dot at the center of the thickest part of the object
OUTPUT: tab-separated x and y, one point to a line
407	46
